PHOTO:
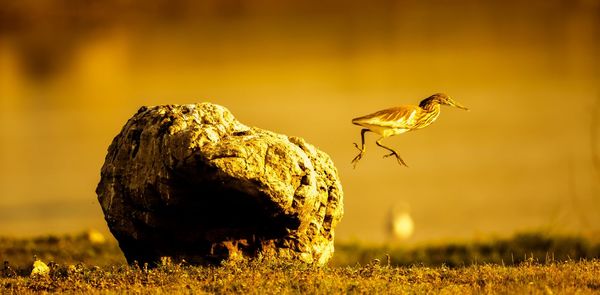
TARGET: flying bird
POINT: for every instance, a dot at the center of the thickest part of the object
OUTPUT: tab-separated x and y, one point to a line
397	120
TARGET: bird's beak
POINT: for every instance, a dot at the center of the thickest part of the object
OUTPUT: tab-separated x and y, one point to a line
458	105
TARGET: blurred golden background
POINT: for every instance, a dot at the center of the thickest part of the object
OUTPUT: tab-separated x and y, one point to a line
524	158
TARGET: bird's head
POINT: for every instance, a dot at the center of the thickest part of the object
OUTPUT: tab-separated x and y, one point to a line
444	99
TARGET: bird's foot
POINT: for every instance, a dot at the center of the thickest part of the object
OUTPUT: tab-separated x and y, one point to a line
357	158
400	161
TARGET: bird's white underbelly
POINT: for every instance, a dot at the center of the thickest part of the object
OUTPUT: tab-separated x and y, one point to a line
385	131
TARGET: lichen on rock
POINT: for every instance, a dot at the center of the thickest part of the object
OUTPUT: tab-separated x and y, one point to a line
192	183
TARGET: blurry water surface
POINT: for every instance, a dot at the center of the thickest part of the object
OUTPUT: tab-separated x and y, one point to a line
525	157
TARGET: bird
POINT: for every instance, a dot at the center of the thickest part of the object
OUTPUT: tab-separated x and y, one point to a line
397	120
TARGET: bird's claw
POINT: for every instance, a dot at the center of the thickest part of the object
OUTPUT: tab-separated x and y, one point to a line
400	161
357	158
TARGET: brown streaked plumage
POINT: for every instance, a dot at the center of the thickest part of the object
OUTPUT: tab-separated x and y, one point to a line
401	119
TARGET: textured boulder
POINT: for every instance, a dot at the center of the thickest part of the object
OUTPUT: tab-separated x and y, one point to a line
191	182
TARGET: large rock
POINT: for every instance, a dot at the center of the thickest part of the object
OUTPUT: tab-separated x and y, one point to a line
191	182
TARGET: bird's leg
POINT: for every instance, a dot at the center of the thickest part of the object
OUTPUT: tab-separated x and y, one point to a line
362	139
394	153
362	147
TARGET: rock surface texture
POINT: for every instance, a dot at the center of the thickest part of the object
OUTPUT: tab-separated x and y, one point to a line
191	182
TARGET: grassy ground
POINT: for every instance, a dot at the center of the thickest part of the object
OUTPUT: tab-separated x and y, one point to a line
82	265
505	251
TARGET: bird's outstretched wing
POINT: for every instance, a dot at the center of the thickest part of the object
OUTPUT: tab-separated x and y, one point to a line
404	117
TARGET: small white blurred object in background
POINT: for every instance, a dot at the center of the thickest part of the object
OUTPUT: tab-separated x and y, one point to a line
399	225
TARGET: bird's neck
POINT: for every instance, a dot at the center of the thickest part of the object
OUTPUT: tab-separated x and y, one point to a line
431	110
430	106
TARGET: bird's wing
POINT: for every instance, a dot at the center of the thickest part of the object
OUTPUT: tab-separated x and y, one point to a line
403	117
